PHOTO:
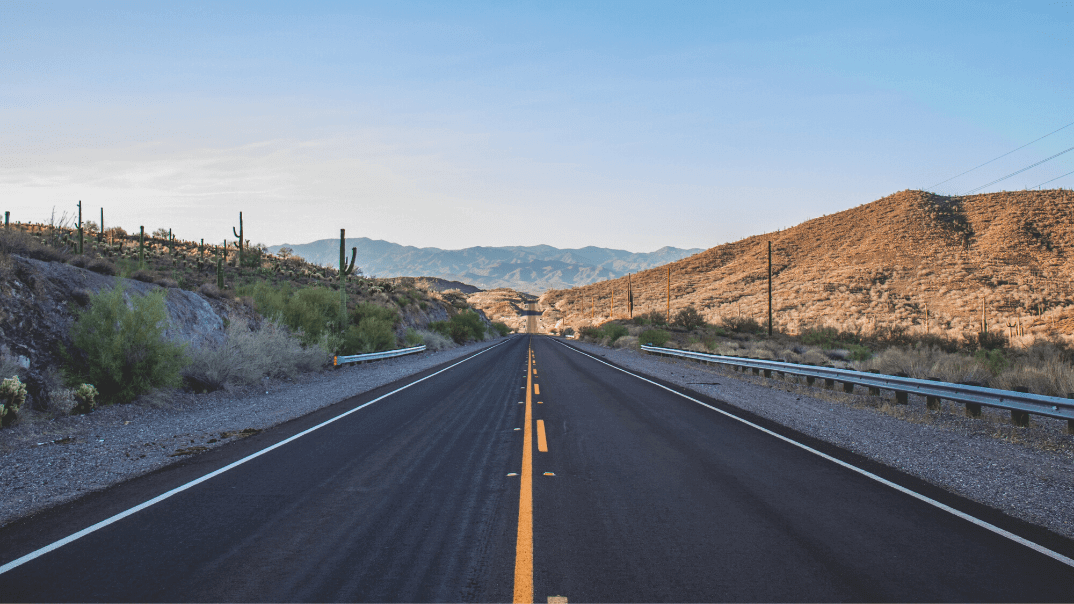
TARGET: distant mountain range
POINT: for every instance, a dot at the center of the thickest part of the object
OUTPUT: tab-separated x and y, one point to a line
531	269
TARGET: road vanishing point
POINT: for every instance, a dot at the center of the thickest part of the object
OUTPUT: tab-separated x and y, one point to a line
535	472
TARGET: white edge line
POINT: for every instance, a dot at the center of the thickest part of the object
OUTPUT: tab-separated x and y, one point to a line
120	516
981	523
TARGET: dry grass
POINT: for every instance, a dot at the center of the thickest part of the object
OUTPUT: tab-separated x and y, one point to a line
246	356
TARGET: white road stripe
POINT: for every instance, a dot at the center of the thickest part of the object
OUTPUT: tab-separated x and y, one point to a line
120	516
981	523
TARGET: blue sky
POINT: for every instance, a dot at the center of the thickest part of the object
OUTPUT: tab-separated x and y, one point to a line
627	125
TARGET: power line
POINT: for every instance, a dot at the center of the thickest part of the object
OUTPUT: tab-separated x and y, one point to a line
1000	157
1048	181
1018	172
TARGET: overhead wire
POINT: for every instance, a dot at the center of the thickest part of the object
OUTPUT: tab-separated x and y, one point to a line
1000	157
1054	179
1018	172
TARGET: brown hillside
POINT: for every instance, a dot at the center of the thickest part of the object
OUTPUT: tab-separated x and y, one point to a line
876	266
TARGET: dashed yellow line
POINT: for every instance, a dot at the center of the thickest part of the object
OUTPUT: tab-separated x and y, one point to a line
536	388
542	442
524	542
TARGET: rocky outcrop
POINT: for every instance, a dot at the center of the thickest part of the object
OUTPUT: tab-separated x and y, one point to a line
39	301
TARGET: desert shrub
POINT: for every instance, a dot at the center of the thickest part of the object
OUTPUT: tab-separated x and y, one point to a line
993	360
311	312
651	318
371	334
85	398
990	340
655	337
461	328
689	318
161	233
12	397
102	266
568	332
115	233
501	328
15	241
369	310
143	275
626	342
79	261
413	338
740	324
209	290
246	356
857	352
434	340
166	282
814	357
121	348
613	331
590	333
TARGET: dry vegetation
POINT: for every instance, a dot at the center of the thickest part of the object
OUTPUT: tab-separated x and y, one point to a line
876	268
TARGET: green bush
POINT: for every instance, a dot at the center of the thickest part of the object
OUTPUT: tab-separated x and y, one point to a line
369	310
312	312
413	338
122	349
462	327
656	337
993	359
501	328
614	331
590	332
568	332
689	318
12	396
371	334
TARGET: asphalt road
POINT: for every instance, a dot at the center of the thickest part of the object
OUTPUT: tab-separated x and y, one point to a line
637	494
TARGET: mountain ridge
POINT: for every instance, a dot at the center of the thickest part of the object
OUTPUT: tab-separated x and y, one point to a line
532	269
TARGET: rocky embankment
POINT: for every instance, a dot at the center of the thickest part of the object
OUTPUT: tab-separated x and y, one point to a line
38	302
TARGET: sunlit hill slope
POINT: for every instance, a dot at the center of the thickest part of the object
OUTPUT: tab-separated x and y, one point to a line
1004	258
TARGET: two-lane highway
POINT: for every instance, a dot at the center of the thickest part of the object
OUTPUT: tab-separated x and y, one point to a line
526	471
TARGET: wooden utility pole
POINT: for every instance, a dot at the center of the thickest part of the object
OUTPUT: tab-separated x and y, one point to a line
770	289
926	317
611	306
669	295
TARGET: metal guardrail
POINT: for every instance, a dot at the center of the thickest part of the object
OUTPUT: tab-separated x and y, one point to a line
373	356
974	397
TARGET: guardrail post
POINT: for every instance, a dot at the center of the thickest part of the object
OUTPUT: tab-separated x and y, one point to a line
972	409
1020	418
829	383
848	387
756	371
932	403
902	397
1070	422
768	373
809	379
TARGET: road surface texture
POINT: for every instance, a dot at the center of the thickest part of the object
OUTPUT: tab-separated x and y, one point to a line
527	471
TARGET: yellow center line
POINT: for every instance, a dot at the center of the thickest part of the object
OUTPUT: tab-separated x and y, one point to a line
542	442
524	542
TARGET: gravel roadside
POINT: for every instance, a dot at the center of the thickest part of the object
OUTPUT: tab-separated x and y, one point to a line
47	462
1026	472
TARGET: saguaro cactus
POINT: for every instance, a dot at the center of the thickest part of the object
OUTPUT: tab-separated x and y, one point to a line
141	244
7	218
100	229
344	272
239	236
79	225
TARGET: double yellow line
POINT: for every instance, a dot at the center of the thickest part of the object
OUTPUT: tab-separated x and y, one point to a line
524	543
